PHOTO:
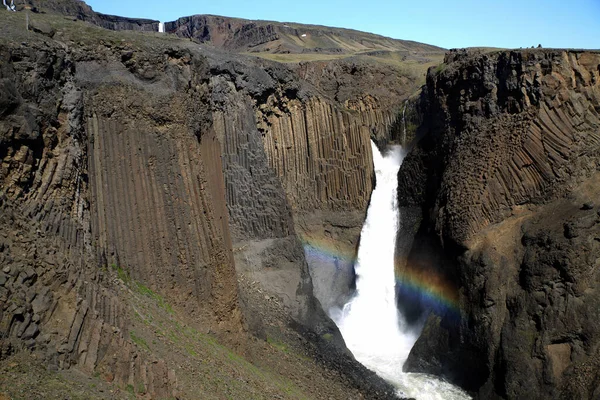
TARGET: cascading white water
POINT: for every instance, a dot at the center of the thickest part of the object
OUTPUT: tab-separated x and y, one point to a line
161	27
370	323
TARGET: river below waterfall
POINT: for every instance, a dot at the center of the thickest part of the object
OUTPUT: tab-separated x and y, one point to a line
370	322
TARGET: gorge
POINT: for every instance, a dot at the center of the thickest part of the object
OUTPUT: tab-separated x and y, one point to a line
181	212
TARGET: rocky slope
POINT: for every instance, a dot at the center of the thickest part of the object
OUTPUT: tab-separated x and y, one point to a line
500	192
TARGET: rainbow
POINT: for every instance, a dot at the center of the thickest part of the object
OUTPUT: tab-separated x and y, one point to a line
429	288
415	283
325	250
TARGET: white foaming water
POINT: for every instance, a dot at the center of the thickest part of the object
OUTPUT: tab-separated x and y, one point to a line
161	27
370	323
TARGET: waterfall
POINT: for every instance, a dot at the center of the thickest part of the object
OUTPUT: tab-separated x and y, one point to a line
370	322
11	6
161	27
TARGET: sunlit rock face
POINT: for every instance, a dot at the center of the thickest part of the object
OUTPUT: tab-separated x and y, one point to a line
177	165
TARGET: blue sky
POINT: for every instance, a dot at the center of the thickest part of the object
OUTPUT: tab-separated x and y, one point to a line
446	23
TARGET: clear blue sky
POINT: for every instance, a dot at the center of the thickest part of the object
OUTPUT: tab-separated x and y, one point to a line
446	23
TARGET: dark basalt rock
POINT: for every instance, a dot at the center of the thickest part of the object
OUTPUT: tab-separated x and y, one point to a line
81	11
162	157
508	154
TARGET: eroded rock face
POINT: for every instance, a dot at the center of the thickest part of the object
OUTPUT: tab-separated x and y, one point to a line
290	152
162	163
81	11
98	166
503	183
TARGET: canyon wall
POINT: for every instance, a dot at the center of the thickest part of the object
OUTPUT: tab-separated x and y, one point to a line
501	190
99	165
295	163
320	153
142	169
298	169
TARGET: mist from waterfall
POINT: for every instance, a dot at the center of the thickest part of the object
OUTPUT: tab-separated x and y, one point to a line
370	322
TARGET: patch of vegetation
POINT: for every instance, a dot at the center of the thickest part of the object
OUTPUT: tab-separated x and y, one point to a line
130	389
440	68
25	376
289	58
138	340
190	350
146	291
121	273
222	370
277	344
327	336
173	336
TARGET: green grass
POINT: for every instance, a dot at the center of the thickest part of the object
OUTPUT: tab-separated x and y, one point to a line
277	344
146	291
297	58
121	273
12	28
413	68
142	289
140	342
440	68
130	389
25	376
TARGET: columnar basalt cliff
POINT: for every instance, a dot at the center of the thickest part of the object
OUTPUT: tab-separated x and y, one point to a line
502	185
303	156
319	152
94	173
143	179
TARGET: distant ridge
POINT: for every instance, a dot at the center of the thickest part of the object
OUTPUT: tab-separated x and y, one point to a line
257	36
80	10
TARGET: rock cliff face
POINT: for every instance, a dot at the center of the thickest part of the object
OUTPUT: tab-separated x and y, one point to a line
319	151
501	187
83	12
142	165
303	150
99	164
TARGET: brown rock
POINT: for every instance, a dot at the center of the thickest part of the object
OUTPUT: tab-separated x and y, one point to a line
498	181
